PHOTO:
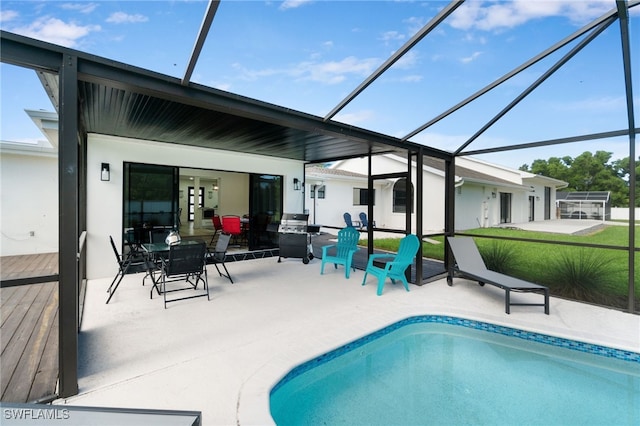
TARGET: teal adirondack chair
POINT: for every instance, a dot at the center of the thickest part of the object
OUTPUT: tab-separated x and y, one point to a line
346	246
394	268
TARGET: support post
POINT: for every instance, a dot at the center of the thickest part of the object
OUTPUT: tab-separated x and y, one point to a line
68	153
419	211
449	209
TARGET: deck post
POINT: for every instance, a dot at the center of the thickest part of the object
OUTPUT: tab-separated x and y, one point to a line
68	227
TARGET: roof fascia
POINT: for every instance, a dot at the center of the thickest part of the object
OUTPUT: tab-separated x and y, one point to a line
36	150
501	184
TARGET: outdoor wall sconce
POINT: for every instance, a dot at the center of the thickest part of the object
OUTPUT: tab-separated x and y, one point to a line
105	174
296	184
493	195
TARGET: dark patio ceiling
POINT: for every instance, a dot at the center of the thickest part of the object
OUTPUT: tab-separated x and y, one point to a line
120	100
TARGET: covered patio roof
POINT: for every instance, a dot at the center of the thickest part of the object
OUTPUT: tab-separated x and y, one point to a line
120	100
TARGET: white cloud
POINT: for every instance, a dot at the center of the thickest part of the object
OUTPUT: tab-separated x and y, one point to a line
392	36
443	141
125	18
414	78
292	4
355	118
415	24
408	60
222	86
252	75
473	57
329	72
55	31
607	103
333	72
8	15
80	7
490	16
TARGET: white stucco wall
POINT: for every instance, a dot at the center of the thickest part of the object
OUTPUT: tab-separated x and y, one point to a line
104	199
28	203
476	205
338	200
433	195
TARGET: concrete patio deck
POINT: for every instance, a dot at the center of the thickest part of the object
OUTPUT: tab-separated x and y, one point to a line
222	357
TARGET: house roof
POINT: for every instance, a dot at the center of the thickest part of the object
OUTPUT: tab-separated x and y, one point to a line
478	177
317	171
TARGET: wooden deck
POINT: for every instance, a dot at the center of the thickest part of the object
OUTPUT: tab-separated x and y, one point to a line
27	266
29	330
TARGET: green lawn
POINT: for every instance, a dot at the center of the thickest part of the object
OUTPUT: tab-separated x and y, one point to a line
589	274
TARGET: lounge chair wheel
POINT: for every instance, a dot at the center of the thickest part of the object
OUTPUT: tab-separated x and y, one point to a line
480	283
310	256
305	260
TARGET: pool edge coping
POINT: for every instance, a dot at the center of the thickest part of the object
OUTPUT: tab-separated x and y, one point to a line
253	404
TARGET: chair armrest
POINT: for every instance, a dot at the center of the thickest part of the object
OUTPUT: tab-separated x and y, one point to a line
325	248
378	256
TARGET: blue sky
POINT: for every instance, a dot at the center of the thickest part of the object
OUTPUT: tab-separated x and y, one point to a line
309	55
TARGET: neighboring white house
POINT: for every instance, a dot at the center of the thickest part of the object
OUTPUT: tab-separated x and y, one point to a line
486	194
29	188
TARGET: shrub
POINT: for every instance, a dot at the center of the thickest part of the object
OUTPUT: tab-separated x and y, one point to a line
499	257
582	276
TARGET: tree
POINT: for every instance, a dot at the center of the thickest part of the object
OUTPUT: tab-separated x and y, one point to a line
624	172
589	172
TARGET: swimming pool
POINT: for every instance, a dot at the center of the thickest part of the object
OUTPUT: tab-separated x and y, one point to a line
446	370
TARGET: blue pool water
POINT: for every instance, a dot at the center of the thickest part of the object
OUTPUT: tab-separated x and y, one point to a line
444	370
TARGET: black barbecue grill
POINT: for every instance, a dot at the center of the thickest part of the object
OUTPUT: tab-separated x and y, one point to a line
294	237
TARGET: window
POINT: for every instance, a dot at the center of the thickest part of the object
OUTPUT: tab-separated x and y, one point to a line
400	196
361	197
320	189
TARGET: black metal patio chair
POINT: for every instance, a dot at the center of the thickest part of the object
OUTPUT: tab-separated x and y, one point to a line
218	256
185	263
131	263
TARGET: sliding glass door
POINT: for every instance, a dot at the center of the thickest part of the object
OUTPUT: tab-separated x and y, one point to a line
265	210
150	200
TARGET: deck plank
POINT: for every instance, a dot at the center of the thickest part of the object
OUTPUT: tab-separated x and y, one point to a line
12	325
10	298
46	378
25	339
22	381
26	266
